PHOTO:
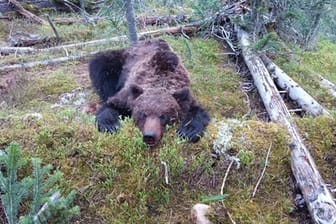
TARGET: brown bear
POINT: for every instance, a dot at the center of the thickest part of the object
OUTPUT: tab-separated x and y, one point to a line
148	82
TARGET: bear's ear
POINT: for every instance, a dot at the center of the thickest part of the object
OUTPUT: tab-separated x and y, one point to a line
136	91
182	95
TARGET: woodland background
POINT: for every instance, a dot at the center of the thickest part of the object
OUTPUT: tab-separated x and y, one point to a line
249	167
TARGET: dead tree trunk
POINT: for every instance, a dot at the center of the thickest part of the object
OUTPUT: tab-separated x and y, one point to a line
132	31
295	92
320	203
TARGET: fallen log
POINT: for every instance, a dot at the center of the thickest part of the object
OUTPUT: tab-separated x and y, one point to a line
318	199
45	62
71	20
5	18
154	33
295	92
21	39
328	85
18	7
21	50
143	21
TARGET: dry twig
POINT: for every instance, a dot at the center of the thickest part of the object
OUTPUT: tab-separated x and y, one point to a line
222	190
225	176
228	214
263	171
165	166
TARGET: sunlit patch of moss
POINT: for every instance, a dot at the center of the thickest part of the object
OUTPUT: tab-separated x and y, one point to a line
320	137
246	157
252	140
35	90
57	82
322	60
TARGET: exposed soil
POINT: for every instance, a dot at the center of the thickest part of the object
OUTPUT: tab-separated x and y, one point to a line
8	81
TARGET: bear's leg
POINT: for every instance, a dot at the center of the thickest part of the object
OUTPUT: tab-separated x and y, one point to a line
106	73
194	124
106	76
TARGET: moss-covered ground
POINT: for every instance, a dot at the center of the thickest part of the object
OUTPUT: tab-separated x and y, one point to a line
120	180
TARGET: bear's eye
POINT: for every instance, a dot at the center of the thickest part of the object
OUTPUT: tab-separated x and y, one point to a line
163	119
142	115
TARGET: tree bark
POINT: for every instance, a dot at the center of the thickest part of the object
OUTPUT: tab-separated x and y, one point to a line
319	201
132	31
295	92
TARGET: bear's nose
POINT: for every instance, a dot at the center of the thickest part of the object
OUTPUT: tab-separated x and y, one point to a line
149	137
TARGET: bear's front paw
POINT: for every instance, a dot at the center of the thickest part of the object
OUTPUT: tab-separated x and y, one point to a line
191	130
107	120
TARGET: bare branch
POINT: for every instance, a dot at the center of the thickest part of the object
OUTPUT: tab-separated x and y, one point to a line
225	176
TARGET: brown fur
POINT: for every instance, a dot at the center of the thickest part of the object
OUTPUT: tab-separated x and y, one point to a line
155	89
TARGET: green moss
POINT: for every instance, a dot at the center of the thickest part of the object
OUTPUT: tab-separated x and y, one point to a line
36	90
253	140
320	138
246	157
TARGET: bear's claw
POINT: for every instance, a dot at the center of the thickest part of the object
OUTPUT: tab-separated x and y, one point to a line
107	126
192	131
107	120
192	128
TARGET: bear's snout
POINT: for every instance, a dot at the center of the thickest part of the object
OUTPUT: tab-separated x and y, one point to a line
152	131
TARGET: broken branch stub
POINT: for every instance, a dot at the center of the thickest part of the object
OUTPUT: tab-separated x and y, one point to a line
328	85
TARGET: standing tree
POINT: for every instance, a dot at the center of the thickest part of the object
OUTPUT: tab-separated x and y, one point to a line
132	31
300	20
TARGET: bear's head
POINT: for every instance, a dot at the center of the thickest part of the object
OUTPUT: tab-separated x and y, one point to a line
153	109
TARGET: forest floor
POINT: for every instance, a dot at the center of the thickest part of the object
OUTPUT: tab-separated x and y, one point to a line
119	179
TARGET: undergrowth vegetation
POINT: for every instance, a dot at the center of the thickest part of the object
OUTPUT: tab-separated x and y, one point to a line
119	179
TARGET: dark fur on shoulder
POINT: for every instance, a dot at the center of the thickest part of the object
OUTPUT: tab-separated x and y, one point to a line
105	72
